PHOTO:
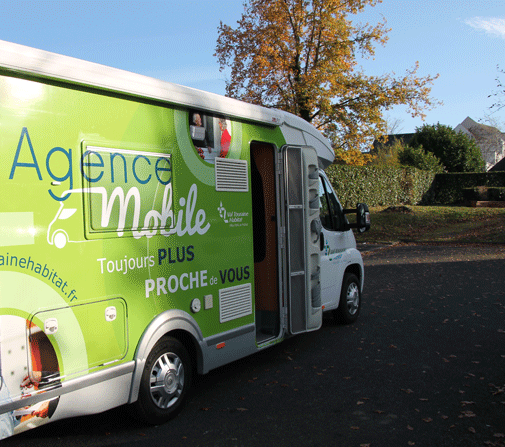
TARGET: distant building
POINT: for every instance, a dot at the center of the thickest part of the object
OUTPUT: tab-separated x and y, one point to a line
404	138
489	139
500	166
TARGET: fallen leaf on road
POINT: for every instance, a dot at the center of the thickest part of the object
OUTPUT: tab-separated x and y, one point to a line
471	429
467	414
410	428
427	419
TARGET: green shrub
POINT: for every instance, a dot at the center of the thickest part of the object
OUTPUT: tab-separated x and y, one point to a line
385	186
448	188
475	193
379	185
479	193
457	151
496	194
418	158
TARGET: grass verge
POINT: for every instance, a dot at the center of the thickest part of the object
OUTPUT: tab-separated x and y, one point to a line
436	224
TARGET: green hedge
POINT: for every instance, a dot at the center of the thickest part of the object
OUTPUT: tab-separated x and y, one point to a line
449	188
478	193
378	185
385	186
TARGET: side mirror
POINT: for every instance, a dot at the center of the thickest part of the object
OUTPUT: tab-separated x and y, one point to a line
362	217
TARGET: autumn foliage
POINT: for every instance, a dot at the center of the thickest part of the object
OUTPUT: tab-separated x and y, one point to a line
302	56
352	157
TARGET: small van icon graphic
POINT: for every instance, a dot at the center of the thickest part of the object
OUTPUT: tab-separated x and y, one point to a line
58	236
56	232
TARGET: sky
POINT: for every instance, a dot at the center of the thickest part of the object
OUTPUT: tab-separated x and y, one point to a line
462	41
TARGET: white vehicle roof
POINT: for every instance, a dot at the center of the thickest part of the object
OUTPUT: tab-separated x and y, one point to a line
44	64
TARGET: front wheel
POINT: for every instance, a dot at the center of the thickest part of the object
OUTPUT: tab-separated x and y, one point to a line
165	382
350	300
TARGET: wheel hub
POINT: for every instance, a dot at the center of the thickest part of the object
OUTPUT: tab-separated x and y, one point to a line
170	382
352	298
167	380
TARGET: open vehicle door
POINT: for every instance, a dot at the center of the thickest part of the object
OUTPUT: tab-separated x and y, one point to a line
303	228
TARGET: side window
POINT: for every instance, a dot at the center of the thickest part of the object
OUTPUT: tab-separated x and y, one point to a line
331	214
211	135
324	209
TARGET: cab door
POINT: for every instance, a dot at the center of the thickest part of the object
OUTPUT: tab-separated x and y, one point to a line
301	181
333	243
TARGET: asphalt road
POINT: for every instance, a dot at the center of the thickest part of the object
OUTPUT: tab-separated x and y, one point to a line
424	365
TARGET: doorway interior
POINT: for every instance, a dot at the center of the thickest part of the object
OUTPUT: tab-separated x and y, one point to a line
265	240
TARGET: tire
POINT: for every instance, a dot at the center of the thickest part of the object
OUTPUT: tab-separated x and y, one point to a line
350	300
165	382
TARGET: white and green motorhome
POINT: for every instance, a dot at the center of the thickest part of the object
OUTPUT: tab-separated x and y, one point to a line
149	232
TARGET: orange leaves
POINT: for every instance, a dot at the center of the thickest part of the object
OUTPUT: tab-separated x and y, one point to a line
352	157
301	56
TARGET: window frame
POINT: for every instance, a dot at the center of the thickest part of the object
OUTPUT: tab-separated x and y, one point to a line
335	210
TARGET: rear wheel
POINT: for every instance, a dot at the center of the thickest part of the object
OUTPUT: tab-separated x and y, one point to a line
350	300
165	382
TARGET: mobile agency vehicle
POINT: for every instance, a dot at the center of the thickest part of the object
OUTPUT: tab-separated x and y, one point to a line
149	232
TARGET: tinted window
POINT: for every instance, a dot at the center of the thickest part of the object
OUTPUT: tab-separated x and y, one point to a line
324	209
331	214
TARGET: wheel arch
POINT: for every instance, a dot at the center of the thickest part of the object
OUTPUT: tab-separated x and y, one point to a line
174	323
358	270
